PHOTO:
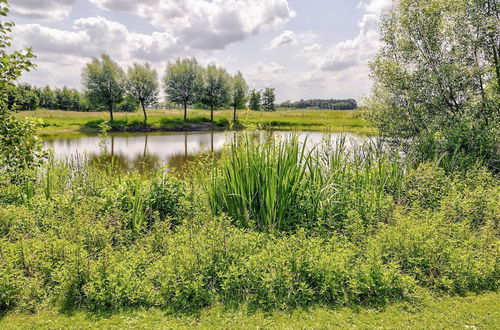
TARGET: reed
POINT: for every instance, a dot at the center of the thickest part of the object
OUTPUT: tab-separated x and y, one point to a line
281	184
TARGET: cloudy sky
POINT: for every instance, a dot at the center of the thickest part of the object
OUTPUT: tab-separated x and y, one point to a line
303	48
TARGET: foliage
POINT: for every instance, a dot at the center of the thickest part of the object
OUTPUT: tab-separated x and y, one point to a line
128	104
142	84
27	97
255	100
437	80
256	183
105	240
20	149
104	82
239	91
268	98
215	91
331	104
183	81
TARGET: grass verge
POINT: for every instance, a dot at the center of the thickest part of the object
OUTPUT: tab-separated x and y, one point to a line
472	312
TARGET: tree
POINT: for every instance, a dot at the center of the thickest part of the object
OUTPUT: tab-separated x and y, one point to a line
183	82
437	79
20	149
64	98
47	98
268	98
239	91
215	92
142	84
255	100
104	82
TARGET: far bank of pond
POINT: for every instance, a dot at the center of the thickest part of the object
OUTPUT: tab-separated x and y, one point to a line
198	120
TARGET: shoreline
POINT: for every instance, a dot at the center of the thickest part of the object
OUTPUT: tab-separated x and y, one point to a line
57	121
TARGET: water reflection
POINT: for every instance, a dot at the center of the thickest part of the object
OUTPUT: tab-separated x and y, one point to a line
142	151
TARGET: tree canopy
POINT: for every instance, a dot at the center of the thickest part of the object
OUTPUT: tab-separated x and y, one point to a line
268	98
142	84
255	100
331	104
104	82
239	91
437	78
183	82
215	91
20	149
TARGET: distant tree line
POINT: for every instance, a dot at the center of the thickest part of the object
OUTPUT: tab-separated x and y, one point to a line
108	87
331	104
28	97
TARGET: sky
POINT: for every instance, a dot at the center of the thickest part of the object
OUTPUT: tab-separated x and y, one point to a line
303	48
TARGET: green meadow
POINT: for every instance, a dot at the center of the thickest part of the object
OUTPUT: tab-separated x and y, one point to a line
283	119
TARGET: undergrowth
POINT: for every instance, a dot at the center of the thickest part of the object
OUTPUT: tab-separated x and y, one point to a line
270	226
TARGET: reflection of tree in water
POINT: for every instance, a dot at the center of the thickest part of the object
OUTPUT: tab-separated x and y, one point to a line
122	163
181	163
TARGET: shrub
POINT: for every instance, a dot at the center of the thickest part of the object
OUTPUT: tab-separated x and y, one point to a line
439	254
425	186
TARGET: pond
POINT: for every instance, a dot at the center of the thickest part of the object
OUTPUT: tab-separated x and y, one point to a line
171	149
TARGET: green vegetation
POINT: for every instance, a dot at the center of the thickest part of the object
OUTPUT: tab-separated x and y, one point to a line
331	104
105	83
142	84
480	312
88	236
269	231
437	80
215	91
239	91
284	119
256	184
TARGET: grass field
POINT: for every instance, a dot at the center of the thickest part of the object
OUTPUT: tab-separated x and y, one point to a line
473	312
311	120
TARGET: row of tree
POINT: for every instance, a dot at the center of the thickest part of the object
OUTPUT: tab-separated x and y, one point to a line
185	83
28	97
331	104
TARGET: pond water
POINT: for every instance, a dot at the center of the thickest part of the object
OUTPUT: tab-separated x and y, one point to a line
172	149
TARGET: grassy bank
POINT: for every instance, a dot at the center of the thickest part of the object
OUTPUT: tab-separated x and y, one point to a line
264	228
313	120
482	311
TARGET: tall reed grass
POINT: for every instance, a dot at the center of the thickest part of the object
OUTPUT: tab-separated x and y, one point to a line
281	184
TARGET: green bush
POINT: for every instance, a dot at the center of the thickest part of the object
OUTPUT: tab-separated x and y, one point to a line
360	230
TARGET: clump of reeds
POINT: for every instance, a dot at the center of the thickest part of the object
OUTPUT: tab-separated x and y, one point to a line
281	184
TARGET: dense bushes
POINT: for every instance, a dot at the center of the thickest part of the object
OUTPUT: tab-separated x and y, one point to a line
107	241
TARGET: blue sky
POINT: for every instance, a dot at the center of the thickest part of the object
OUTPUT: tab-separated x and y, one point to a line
303	48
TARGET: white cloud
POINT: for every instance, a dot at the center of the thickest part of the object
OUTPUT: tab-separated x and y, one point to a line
263	75
311	48
94	35
376	6
207	24
285	39
41	9
342	70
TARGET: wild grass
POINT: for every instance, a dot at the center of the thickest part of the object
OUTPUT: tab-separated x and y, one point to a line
283	119
282	185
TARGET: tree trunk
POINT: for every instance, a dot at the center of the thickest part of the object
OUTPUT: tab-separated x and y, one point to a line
211	114
234	114
144	110
111	112
185	111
